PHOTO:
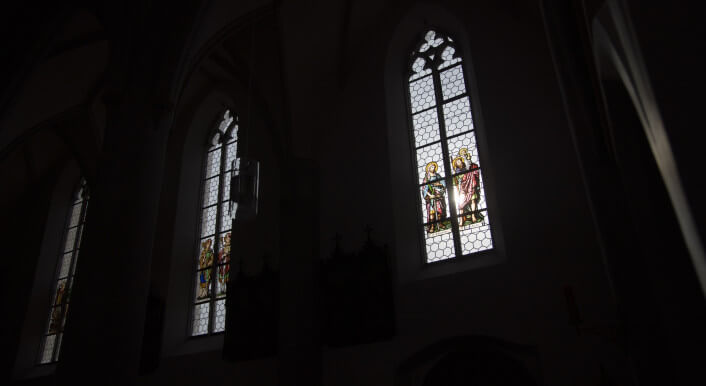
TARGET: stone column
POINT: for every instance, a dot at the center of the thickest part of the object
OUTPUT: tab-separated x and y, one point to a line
103	337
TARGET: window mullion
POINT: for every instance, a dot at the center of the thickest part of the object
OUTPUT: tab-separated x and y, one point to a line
447	162
216	237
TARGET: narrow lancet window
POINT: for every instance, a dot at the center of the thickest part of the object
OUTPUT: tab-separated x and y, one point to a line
213	252
66	268
455	219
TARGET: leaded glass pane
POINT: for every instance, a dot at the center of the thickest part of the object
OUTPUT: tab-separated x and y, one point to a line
65	265
422	94
426	127
220	320
457	116
418	68
439	245
452	83
226	186
70	239
226	219
475	237
208	220
230	154
447	57
210	193
213	164
48	349
75	214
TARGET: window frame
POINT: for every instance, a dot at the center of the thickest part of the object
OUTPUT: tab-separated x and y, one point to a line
81	188
449	175
221	201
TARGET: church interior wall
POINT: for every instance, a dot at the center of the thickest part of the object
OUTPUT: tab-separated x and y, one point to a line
342	111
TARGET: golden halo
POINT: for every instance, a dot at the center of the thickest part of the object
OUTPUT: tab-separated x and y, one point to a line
436	166
457	159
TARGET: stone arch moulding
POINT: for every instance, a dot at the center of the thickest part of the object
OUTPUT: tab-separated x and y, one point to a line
616	48
407	246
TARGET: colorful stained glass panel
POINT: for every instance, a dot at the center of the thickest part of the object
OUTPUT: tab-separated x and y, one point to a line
430	162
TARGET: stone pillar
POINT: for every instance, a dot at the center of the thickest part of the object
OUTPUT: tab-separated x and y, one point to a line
103	337
300	337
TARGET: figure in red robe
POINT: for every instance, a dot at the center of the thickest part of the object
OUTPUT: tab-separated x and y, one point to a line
468	188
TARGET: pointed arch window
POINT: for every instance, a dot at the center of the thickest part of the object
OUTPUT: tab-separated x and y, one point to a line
452	199
213	251
64	277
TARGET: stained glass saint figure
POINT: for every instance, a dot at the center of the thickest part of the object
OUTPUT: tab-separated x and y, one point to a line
434	193
468	188
205	261
223	266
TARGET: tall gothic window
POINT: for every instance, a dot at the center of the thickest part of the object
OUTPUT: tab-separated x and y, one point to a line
63	282
212	269
455	219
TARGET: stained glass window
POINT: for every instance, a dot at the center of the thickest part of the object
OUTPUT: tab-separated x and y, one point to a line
454	214
66	268
213	251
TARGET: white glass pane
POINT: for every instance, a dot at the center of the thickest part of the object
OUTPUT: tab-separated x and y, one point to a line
208	221
226	219
200	320
65	264
226	186
475	236
421	93
48	349
452	83
70	239
418	69
219	321
230	155
426	127
213	162
210	191
58	348
75	215
439	245
447	57
457	117
430	162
